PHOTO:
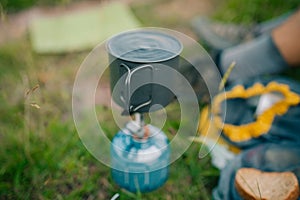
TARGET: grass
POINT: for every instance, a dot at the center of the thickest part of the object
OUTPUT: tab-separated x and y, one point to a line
252	11
41	154
17	5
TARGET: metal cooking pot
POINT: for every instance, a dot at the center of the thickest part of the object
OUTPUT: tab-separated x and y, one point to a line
136	57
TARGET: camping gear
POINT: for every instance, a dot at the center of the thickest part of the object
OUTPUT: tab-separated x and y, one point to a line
261	125
81	29
135	59
140	153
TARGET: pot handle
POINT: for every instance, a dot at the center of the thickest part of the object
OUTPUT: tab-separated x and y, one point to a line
125	99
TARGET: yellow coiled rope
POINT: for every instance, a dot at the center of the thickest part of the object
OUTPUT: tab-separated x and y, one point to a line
263	123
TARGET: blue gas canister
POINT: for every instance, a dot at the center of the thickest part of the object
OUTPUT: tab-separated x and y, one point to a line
140	163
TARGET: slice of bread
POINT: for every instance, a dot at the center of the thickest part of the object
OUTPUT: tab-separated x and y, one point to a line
253	184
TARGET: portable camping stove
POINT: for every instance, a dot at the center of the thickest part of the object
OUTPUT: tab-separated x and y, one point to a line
140	152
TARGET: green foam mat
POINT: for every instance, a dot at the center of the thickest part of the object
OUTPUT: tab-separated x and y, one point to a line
80	30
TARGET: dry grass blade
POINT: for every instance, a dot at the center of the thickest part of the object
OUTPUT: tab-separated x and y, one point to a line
35	105
35	87
226	75
30	91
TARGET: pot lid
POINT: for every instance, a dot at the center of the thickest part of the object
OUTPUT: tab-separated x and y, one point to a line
144	46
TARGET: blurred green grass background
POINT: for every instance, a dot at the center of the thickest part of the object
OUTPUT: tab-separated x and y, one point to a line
255	11
41	154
